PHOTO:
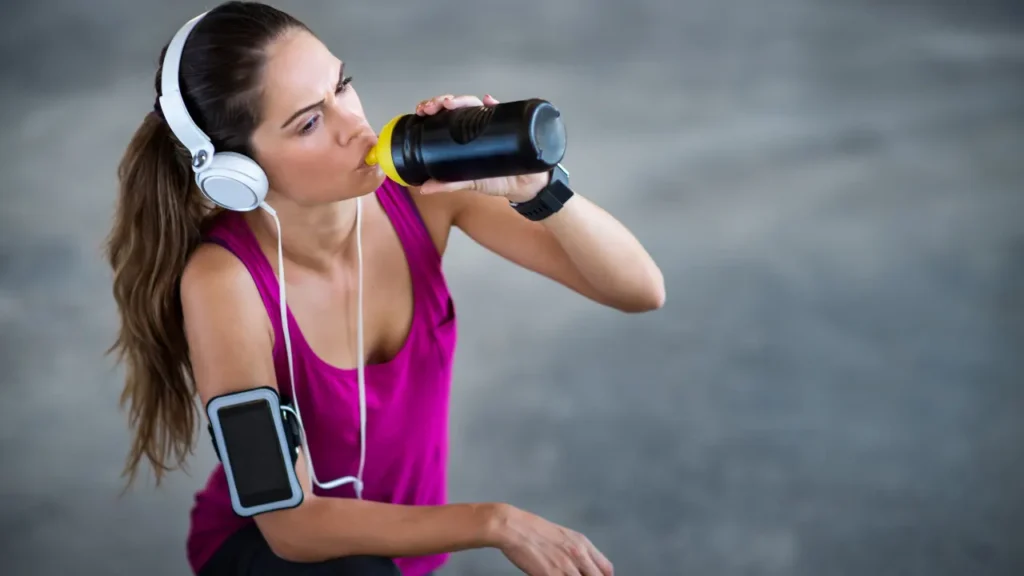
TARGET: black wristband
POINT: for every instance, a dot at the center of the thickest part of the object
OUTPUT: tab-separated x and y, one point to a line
550	199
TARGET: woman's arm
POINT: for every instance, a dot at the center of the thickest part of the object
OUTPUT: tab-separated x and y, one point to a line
230	340
581	246
324	528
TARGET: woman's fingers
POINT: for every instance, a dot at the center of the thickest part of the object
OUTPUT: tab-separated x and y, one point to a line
450	102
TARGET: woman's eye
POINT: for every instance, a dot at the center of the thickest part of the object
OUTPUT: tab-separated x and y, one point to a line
313	122
309	126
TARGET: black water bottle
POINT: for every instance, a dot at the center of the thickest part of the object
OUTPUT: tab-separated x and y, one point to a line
508	139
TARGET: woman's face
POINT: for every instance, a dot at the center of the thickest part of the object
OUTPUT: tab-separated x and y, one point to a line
314	135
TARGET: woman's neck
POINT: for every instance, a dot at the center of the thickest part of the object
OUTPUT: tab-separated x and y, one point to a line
311	236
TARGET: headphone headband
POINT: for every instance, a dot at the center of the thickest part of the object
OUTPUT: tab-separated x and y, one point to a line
173	106
231	180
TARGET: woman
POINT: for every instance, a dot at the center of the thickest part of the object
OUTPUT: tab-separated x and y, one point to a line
199	303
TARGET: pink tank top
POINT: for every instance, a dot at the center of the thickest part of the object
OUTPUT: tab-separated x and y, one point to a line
407	397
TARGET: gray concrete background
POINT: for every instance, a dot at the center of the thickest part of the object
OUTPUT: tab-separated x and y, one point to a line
834	191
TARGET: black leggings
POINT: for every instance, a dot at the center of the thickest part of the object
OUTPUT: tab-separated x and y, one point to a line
246	553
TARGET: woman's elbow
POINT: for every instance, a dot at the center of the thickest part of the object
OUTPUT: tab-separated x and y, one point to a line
654	298
648	296
295	546
290	535
283	539
287	550
643	304
299	553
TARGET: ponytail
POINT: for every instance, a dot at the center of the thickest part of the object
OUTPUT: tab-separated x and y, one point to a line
156	228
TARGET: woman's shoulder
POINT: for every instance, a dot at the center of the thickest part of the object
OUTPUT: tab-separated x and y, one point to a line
217	292
228	255
213	272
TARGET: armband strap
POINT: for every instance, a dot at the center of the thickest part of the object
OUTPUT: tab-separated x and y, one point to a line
292	430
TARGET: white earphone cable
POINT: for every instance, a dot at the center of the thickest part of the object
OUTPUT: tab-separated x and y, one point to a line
360	363
356	480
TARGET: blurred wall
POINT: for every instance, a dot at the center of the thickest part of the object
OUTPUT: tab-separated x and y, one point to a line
834	191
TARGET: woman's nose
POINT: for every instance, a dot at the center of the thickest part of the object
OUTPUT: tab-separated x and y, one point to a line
350	123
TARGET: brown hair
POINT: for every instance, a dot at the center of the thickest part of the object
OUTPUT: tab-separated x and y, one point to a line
158	222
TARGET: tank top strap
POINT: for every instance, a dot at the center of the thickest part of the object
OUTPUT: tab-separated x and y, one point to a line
230	231
422	255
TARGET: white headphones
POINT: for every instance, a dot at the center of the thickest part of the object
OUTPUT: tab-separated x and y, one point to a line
236	182
230	180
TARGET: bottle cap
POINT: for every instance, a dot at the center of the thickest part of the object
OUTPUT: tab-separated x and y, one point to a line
380	154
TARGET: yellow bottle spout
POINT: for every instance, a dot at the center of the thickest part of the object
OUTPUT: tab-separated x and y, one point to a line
380	154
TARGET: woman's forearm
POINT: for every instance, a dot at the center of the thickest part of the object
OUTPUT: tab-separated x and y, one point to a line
608	255
325	528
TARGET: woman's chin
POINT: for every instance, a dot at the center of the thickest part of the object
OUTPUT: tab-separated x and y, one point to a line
367	182
376	175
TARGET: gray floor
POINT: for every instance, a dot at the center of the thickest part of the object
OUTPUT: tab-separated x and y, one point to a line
834	191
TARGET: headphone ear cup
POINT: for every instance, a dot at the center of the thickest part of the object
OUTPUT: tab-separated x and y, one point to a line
233	181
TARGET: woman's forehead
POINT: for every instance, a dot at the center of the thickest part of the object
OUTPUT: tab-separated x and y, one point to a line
300	70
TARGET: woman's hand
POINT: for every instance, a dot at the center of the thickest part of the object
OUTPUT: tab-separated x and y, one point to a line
541	548
515	188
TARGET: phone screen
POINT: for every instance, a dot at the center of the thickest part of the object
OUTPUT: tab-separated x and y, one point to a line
253	448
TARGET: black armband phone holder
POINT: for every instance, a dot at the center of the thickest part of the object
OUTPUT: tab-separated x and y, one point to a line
292	431
256	437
